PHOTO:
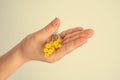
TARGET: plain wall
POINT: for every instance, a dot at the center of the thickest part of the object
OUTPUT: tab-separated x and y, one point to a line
99	59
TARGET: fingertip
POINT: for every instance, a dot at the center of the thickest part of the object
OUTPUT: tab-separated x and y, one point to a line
55	22
57	19
90	32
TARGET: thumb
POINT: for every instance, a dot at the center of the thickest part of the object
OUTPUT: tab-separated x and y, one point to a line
48	30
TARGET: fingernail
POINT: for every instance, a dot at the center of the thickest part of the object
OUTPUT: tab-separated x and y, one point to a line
55	22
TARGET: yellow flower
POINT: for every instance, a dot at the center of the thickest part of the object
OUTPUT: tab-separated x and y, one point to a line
46	55
56	46
59	46
45	50
50	51
56	43
52	43
48	45
52	46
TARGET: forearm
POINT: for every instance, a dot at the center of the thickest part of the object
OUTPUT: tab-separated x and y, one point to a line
10	62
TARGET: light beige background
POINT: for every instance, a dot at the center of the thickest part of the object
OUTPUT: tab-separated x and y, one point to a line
99	59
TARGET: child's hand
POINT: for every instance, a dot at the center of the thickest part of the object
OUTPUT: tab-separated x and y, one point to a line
31	48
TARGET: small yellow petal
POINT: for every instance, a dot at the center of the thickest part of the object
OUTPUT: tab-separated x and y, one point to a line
45	50
59	46
56	43
46	55
50	51
52	43
47	45
56	46
52	48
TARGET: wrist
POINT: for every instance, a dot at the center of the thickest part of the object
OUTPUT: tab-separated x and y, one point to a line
18	55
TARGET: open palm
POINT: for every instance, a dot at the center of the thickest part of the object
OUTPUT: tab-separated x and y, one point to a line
32	46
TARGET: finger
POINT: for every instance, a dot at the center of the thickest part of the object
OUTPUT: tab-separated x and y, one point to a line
86	34
47	31
67	48
70	31
72	35
89	33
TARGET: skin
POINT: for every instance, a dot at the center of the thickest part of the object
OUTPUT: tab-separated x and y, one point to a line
31	47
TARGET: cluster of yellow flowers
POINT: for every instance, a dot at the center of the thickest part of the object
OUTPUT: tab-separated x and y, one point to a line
51	46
